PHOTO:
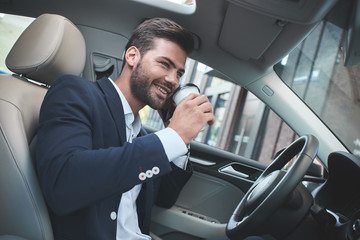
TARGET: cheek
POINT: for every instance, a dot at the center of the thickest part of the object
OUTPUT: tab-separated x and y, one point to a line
150	70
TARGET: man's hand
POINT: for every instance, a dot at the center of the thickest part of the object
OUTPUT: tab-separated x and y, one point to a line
191	115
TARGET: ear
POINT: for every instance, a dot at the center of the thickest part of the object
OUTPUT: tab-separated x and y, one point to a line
132	56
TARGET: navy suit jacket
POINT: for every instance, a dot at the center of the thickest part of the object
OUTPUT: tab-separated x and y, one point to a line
84	162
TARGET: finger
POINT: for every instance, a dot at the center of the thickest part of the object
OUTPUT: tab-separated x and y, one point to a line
211	122
191	96
208	118
188	99
200	99
206	107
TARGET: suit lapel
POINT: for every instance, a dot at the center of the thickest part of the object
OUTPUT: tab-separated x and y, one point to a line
114	103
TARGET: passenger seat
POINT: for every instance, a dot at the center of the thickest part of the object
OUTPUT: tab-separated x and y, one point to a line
50	47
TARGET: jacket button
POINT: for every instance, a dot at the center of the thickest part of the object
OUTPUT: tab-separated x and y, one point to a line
142	176
113	215
155	170
149	173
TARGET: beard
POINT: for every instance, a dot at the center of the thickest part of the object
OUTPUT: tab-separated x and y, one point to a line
140	85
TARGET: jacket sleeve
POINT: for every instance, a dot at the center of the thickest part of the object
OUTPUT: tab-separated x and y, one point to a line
72	173
171	185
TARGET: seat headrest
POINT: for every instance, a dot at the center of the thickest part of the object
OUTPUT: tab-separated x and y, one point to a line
50	47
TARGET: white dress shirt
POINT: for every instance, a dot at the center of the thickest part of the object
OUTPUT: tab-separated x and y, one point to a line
175	149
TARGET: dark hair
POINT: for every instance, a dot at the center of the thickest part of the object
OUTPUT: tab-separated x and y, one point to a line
143	36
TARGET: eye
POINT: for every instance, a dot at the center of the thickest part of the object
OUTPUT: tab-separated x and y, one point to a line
180	74
165	64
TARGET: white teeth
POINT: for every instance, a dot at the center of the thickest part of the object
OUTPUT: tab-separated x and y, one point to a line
161	89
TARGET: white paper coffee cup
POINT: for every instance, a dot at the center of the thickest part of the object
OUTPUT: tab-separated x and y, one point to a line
183	91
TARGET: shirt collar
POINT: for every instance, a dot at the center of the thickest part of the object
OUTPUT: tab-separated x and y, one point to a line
129	115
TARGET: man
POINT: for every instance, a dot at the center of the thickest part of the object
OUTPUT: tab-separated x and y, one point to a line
99	171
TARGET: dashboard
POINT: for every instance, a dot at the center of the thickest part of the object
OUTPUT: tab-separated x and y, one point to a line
340	195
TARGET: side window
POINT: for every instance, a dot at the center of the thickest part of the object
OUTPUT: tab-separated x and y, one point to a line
244	125
11	27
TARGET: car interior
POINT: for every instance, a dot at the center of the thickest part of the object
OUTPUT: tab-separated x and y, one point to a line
229	195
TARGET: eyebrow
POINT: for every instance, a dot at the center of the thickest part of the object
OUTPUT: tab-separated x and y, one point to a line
173	64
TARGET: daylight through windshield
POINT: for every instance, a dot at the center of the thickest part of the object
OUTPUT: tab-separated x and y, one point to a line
315	71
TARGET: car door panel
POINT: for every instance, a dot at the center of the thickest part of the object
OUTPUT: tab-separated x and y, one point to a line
197	210
220	179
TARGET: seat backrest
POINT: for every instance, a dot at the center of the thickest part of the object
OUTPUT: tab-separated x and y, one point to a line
50	47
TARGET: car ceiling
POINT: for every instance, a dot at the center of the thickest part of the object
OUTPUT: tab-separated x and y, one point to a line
240	38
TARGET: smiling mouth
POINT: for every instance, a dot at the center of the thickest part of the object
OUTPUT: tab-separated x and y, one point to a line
165	92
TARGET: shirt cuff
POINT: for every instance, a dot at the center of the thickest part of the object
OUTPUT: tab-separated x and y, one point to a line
173	144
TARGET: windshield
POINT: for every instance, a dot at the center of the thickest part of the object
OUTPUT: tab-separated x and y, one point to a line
315	71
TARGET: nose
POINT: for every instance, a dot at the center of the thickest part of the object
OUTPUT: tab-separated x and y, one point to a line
172	78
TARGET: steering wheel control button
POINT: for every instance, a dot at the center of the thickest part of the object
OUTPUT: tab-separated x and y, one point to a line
155	170
142	176
113	215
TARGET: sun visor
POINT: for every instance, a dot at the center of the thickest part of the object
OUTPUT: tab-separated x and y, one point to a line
295	11
246	34
251	26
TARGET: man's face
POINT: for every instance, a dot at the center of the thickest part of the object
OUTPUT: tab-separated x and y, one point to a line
158	73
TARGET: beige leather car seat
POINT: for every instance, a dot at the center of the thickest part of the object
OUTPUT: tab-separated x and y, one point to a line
50	47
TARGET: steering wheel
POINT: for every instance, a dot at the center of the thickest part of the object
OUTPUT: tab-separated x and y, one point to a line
272	188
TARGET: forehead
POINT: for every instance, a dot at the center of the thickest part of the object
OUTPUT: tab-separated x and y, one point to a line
168	49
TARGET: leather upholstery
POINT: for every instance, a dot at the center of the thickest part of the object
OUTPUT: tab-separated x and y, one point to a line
50	47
